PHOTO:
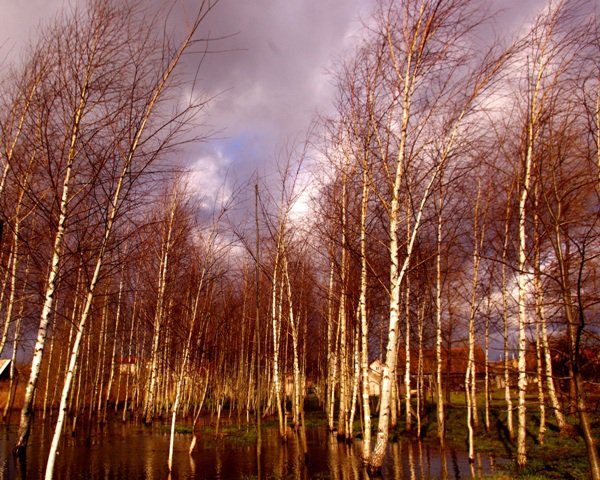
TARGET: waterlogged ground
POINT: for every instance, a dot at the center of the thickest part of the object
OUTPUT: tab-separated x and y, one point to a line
132	451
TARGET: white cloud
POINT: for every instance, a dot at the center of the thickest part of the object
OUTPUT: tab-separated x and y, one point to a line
207	179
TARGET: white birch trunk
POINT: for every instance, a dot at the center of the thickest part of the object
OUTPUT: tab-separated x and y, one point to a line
396	276
343	359
438	331
522	287
27	410
149	408
507	367
542	335
112	214
38	352
296	366
276	330
407	399
184	366
331	352
470	375
364	324
114	352
355	383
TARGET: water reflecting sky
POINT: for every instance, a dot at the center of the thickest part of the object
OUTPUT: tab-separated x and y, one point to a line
132	451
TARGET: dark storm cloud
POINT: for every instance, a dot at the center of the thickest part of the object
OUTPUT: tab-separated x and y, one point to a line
270	78
275	69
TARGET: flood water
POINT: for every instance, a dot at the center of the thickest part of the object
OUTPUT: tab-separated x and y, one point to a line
132	451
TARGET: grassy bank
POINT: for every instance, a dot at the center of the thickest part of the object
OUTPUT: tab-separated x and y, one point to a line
560	456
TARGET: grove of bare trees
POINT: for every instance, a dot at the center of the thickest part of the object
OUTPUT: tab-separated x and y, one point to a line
451	251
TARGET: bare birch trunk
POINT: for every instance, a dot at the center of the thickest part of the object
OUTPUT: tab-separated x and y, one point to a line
296	366
438	331
276	329
35	82
507	366
542	335
468	379
355	383
129	358
364	324
17	336
540	384
112	215
397	274
184	366
101	359
114	351
597	118
407	399
525	180
470	375
487	368
149	407
27	410
45	402
420	367
574	329
343	359
522	287
14	269
331	355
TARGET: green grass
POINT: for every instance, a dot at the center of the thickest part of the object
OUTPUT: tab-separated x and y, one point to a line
561	456
178	428
315	419
231	434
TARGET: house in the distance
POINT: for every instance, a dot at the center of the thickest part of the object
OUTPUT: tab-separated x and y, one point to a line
375	373
127	365
4	368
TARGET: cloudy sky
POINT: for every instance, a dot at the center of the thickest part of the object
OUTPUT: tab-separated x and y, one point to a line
272	77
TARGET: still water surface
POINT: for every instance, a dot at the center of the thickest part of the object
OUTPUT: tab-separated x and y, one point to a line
131	451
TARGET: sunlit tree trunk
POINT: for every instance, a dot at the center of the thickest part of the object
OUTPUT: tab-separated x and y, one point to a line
507	366
355	383
470	374
542	334
342	320
487	367
574	329
184	366
364	324
397	274
525	181
438	330
100	362
522	286
540	385
276	304
27	409
332	341
114	351
597	133
14	265
16	338
37	74
295	360
138	130
130	362
167	243
407	385
48	380
420	399
395	403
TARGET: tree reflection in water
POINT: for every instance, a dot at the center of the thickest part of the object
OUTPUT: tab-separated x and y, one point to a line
131	451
